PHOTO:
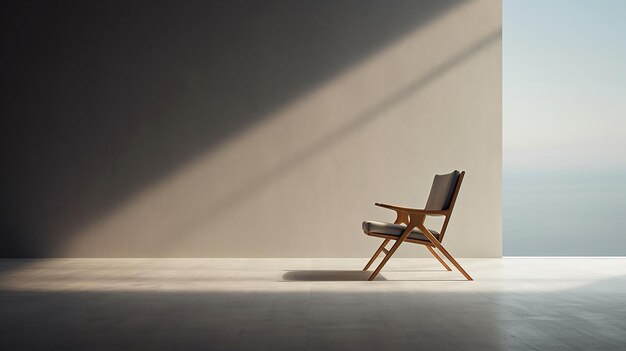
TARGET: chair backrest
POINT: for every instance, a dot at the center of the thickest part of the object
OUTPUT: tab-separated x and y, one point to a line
442	191
443	195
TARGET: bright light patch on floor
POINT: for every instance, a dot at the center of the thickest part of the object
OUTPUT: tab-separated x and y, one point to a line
303	275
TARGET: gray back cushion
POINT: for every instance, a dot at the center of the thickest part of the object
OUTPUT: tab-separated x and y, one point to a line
442	191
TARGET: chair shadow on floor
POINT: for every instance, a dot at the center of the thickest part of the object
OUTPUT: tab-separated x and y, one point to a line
354	276
328	276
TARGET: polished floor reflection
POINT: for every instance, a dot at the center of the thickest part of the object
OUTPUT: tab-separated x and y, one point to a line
312	304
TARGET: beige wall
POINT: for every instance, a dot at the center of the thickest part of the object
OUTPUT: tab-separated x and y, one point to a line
298	180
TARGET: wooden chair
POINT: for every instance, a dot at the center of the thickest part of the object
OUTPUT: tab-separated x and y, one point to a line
409	225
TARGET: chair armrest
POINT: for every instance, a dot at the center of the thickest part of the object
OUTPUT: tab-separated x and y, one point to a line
413	211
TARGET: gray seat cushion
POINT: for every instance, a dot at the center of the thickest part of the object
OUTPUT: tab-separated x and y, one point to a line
394	229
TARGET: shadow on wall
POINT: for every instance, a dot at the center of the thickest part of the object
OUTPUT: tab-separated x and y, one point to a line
99	100
339	134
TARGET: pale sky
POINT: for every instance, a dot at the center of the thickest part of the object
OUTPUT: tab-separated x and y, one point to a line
564	85
564	127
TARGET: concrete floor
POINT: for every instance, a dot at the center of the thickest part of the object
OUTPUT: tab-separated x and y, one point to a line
312	304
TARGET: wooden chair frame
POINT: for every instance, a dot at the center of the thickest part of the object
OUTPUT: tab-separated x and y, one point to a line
414	218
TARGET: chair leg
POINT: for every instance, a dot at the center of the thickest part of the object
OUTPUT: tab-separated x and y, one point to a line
454	262
381	248
443	263
387	257
445	252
